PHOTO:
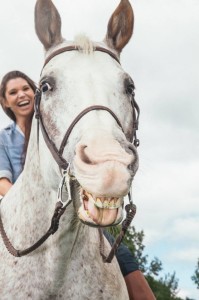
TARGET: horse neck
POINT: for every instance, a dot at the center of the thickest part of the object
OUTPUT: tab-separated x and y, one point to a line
29	204
34	203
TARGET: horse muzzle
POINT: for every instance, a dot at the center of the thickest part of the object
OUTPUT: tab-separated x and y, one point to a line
102	168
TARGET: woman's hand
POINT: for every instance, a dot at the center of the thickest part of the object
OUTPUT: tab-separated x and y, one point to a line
5	185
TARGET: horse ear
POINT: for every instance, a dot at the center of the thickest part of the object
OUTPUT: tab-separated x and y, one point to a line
47	23
120	26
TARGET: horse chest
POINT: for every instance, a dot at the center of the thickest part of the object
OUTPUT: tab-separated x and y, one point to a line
33	278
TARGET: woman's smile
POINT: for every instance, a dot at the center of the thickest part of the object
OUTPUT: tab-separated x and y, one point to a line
23	103
19	97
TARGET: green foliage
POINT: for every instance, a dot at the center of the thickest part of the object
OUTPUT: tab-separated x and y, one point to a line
163	288
134	241
195	277
155	267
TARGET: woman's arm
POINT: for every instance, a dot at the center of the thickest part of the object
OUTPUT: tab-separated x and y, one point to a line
5	166
5	185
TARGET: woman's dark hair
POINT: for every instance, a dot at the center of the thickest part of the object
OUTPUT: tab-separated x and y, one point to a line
9	76
6	78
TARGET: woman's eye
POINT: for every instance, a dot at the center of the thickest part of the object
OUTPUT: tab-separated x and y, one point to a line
45	87
26	88
12	93
130	89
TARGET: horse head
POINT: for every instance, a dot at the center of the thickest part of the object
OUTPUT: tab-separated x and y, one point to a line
87	110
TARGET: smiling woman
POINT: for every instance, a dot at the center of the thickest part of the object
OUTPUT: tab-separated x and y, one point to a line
17	100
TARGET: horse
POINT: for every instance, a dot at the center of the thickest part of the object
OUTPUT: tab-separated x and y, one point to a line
82	152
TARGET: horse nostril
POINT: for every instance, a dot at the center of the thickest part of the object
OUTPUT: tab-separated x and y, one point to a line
132	149
134	164
83	156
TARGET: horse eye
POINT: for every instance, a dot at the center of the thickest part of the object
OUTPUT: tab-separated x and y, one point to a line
45	87
130	89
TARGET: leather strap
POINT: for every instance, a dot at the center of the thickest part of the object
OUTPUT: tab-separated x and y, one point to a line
75	48
57	154
59	210
130	213
81	114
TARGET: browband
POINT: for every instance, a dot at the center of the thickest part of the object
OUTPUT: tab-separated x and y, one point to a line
76	48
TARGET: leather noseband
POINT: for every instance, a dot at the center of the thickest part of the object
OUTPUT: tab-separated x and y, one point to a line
57	154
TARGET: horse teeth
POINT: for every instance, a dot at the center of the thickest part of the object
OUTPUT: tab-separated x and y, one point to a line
101	202
112	202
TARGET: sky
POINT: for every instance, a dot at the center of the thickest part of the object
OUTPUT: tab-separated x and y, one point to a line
163	60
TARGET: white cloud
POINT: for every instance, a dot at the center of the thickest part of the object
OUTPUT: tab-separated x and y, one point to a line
188	254
186	229
168	187
192	293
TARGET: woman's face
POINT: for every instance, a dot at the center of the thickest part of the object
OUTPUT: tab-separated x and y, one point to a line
19	97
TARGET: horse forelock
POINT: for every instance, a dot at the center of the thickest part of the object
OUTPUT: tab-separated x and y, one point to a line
83	43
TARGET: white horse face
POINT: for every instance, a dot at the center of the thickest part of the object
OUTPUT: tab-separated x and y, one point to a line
99	151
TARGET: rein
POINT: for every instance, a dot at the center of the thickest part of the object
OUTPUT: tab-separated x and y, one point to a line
130	213
59	210
64	165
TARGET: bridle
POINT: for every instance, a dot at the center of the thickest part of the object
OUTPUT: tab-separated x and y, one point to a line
58	153
64	165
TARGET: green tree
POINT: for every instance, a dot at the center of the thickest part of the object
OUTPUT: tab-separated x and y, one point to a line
195	277
155	267
171	282
163	288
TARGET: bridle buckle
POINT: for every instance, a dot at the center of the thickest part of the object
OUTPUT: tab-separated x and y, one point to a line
65	187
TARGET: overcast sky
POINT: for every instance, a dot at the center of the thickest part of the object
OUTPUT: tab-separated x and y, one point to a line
162	58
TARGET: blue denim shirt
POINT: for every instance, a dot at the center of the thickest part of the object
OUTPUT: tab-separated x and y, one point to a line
11	152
